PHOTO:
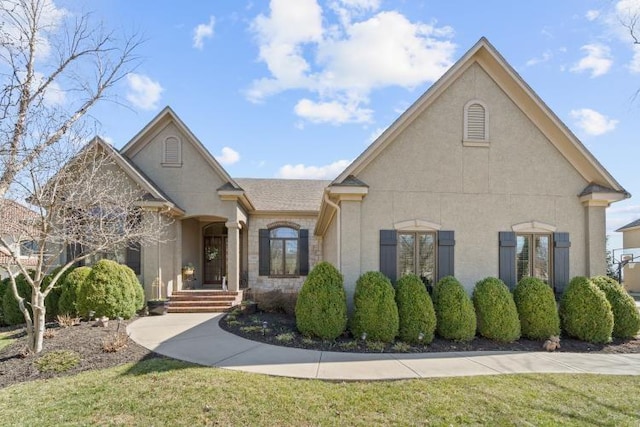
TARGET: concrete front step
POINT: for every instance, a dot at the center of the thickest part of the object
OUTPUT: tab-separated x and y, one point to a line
202	298
197	309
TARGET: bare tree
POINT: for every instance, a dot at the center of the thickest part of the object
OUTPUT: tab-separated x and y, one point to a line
88	207
54	67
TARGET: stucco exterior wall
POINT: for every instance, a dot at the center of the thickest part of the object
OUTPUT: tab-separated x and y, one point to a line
631	238
330	243
193	185
426	173
265	283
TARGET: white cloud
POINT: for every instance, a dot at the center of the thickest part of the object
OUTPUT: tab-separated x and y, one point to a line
228	156
143	92
592	15
597	60
634	65
333	112
300	171
593	123
336	63
203	31
546	56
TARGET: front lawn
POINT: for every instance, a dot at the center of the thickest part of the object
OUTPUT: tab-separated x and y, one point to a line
168	392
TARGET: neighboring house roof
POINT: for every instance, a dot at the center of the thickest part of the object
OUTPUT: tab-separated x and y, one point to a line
484	54
284	195
17	221
630	226
166	116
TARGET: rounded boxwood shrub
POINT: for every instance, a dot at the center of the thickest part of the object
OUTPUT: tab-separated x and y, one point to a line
415	310
537	309
4	283
321	308
109	291
496	312
52	301
585	312
10	309
139	290
456	317
68	303
626	318
375	311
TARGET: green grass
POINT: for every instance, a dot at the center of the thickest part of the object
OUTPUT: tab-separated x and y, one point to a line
8	337
160	392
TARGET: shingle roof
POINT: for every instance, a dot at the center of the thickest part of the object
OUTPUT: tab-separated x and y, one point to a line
596	188
284	194
633	224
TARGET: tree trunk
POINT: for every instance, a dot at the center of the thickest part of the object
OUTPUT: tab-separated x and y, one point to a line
39	312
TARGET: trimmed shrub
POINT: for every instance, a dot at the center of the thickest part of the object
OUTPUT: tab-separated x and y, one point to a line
109	290
496	313
10	309
139	290
375	311
537	309
415	310
585	312
456	317
4	283
626	318
321	309
70	289
53	299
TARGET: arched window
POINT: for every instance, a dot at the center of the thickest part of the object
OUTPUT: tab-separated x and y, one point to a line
283	251
476	124
172	152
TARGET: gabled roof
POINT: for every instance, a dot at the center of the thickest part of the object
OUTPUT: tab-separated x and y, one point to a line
153	192
164	117
484	54
284	195
630	226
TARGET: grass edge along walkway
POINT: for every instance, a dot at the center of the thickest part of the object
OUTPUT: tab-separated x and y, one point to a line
170	392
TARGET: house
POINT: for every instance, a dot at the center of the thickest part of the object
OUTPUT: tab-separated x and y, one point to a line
17	231
477	178
630	255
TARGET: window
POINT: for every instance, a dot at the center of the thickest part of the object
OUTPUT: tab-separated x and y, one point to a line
417	255
476	124
283	252
172	152
28	248
533	256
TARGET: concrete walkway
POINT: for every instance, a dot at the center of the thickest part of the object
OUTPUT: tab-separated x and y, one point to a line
198	338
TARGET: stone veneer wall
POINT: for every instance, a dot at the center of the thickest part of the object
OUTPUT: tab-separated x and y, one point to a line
266	283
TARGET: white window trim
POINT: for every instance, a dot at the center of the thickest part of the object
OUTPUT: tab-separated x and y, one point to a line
475	142
416	225
533	227
164	162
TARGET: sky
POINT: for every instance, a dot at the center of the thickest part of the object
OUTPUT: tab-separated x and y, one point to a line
299	88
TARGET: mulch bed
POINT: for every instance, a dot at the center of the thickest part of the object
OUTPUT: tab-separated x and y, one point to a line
85	339
281	325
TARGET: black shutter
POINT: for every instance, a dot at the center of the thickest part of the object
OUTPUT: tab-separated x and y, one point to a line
74	250
507	258
303	251
132	257
446	253
561	245
388	254
263	252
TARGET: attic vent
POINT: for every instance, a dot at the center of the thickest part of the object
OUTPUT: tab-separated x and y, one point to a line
476	121
172	152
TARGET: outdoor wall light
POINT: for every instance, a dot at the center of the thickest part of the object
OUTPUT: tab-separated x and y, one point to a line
364	336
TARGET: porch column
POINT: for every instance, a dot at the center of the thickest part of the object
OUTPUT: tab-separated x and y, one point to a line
233	256
177	283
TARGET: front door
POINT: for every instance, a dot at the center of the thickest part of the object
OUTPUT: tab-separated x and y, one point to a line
215	259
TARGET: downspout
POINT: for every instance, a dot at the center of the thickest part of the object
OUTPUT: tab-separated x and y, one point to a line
337	208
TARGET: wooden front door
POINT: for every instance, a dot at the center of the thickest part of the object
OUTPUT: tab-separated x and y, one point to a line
215	259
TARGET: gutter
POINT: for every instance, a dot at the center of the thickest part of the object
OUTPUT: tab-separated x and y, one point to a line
337	208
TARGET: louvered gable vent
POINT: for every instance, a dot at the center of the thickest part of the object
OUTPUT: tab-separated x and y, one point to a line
476	122
172	151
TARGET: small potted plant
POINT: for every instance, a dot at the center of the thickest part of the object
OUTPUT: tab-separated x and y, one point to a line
188	269
159	305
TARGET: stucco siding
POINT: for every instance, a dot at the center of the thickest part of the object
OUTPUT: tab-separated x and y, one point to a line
426	173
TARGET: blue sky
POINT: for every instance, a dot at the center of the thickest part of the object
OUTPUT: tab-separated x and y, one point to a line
298	88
